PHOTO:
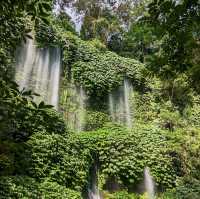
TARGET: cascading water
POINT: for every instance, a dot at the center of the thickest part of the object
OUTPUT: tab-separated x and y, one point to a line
81	111
39	70
119	104
127	91
94	192
111	106
54	77
75	17
149	184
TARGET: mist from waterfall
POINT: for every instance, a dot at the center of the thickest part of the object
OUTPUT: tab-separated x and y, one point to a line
149	184
119	104
39	70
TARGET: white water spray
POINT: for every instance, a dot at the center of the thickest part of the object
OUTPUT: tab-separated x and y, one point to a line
149	184
94	192
54	78
127	91
39	71
25	60
119	104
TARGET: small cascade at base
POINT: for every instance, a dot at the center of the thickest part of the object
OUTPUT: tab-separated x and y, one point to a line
39	70
93	192
119	104
149	184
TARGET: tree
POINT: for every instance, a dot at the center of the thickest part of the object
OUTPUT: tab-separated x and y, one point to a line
139	42
102	19
177	23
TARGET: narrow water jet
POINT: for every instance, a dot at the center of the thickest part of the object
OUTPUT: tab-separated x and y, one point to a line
93	192
127	91
39	70
149	184
54	77
119	104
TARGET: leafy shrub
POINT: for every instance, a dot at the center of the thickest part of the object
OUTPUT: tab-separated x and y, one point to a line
89	63
6	163
97	44
126	195
100	72
12	157
189	189
146	106
169	120
20	116
122	195
47	34
26	187
95	120
120	153
192	113
59	158
125	154
178	91
167	195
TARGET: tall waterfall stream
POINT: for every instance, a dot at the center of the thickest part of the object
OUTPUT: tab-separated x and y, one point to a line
119	104
39	70
149	184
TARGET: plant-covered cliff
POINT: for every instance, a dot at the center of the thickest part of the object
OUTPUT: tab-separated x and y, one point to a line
128	100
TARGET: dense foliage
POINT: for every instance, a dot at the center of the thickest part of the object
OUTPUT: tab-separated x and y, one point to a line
26	187
89	63
39	155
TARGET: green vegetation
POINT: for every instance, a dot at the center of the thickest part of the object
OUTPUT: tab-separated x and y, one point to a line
155	44
25	187
89	62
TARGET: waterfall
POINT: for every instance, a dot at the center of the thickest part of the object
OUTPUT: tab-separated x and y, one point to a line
149	184
54	77
94	192
111	106
25	60
119	104
39	70
81	110
76	17
127	91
